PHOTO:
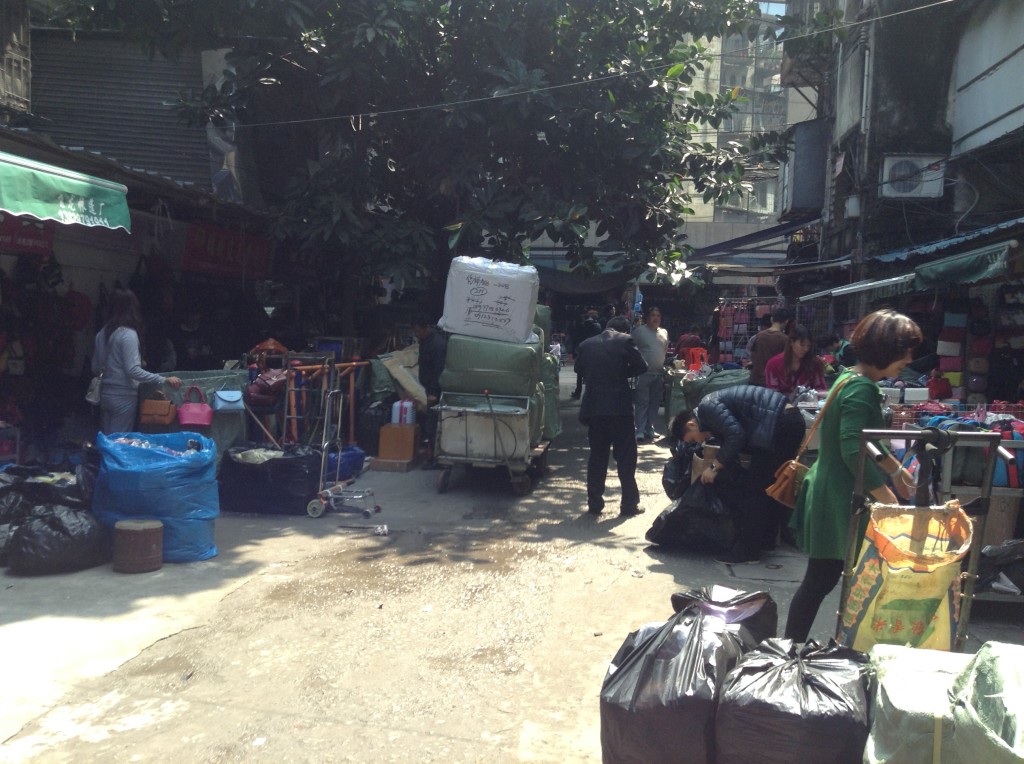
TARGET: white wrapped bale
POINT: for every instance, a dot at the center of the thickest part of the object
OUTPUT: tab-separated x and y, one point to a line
491	300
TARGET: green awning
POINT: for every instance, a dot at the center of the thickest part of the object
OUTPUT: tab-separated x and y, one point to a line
53	193
967	268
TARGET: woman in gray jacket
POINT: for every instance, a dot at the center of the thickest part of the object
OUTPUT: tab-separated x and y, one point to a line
116	353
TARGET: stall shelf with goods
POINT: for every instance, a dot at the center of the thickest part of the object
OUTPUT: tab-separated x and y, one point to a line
227	428
739	320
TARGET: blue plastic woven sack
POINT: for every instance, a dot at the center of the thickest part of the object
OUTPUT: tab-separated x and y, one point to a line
164	480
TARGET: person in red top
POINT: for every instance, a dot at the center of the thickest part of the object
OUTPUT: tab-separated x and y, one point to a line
689	339
796	366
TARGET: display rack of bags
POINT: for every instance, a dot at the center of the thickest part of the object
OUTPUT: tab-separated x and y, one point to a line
739	321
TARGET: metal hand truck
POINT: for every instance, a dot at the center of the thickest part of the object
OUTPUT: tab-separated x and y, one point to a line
928	444
336	495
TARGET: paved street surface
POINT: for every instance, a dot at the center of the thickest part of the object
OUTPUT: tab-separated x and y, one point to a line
479	629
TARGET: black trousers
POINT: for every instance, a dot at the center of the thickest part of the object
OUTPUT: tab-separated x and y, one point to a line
760	515
612	434
821	578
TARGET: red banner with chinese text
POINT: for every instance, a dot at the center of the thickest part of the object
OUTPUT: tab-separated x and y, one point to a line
221	252
25	234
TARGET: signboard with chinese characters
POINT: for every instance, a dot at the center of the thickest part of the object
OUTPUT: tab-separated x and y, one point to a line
25	234
222	252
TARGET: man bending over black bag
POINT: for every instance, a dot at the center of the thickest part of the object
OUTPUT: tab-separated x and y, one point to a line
757	421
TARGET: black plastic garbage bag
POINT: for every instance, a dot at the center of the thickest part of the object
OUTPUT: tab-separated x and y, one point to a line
700	521
6	534
675	476
794	704
658	699
59	539
757	611
14	505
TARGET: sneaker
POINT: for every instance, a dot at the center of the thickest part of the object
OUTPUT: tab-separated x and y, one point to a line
651	435
738	557
639	437
631	511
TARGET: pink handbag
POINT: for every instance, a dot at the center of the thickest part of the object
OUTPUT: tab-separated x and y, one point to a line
195	414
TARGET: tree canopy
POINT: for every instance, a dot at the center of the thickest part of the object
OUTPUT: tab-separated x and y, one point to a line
392	133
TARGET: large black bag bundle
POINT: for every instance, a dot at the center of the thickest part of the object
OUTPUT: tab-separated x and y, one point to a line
282	485
703	519
794	704
658	699
58	539
22	498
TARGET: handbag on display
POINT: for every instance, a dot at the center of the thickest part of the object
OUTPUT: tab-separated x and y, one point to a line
92	393
790	476
227	401
157	411
266	388
195	414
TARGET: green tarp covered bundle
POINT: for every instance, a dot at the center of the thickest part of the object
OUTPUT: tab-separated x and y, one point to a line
935	706
549	371
473	365
684	394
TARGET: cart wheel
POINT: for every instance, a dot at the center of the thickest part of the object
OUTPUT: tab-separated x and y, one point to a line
315	508
366	513
377	507
444	480
521	485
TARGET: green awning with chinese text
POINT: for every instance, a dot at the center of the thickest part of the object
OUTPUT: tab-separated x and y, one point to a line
47	192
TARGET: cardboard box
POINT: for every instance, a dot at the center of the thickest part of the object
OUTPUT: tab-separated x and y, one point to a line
399	442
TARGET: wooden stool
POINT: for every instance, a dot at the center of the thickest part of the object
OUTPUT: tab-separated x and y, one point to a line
138	546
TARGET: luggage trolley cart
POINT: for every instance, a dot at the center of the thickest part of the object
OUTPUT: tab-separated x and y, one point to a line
487	431
928	445
335	495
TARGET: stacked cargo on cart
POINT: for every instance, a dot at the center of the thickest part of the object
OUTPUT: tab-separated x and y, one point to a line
492	410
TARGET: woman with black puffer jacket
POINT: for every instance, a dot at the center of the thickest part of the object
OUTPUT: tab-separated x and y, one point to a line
748	419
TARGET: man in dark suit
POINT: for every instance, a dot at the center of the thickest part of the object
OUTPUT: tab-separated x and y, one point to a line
607	362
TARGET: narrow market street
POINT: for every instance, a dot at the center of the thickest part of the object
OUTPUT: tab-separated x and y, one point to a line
478	629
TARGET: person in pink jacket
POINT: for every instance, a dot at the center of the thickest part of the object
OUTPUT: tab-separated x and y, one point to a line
796	366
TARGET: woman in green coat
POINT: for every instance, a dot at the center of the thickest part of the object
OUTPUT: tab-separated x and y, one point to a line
883	342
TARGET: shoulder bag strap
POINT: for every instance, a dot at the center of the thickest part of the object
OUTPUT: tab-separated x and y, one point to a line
814	427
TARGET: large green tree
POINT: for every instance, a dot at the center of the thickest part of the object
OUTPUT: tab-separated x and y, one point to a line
398	131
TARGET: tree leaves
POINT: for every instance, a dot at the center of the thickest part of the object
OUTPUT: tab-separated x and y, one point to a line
474	123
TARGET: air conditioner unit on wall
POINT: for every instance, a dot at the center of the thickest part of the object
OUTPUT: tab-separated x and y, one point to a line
906	176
